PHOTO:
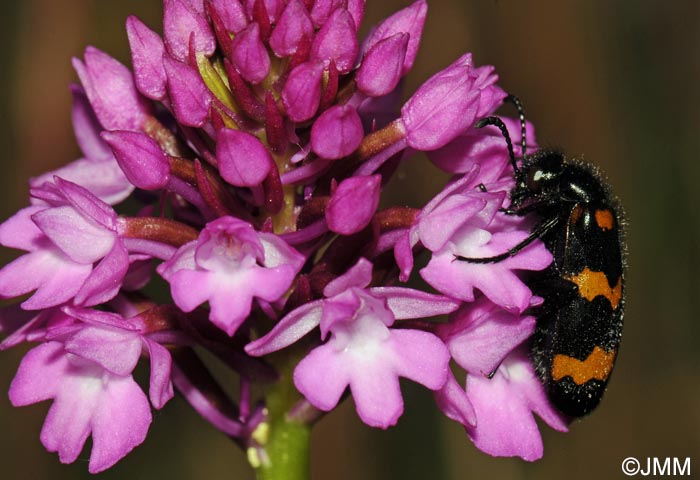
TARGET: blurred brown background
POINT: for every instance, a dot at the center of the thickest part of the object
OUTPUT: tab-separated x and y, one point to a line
614	80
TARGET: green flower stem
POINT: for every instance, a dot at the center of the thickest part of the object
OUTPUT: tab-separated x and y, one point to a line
285	443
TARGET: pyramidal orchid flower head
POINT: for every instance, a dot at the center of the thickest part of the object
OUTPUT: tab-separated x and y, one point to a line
86	367
110	87
229	265
363	352
250	148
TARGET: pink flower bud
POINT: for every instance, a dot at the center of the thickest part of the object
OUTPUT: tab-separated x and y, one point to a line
243	159
110	88
382	66
302	92
353	204
409	20
189	95
249	55
337	132
294	24
230	12
180	21
140	157
337	41
147	58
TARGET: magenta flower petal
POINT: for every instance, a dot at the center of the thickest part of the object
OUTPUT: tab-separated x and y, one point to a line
337	41
140	157
322	387
294	25
337	132
86	127
505	425
105	280
407	303
381	67
20	231
117	351
83	240
189	95
453	401
147	51
443	222
119	423
421	357
55	278
288	330
243	159
481	336
110	87
499	284
357	11
88	205
322	10
377	396
409	20
161	387
302	91
39	375
180	22
353	204
249	55
359	275
104	178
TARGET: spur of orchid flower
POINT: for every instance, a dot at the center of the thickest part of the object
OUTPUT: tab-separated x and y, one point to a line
242	160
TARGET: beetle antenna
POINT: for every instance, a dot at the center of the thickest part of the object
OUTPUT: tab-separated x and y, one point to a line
504	131
521	114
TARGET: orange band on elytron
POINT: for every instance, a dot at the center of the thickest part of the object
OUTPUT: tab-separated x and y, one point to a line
591	284
597	366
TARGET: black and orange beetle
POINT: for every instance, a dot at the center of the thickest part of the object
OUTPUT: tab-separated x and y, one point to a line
579	325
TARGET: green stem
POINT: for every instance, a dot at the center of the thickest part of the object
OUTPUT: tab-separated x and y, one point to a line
285	444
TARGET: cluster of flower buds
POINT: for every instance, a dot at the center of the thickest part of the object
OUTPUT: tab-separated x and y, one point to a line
247	154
